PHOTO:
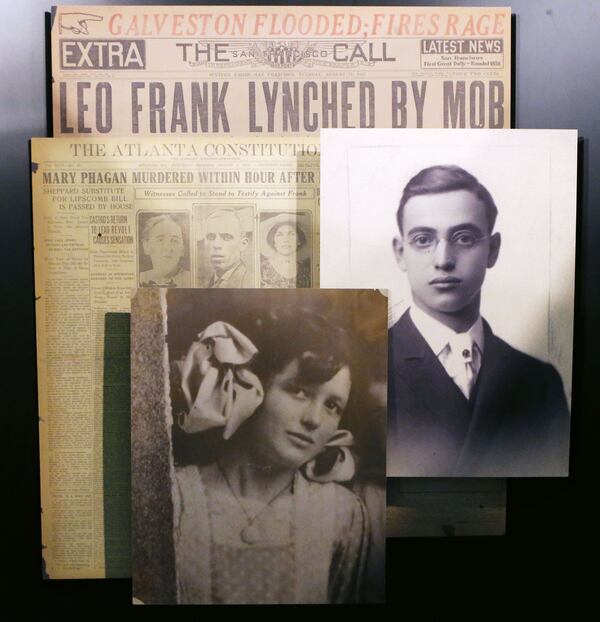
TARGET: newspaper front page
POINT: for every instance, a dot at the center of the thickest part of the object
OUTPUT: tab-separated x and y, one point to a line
112	214
152	70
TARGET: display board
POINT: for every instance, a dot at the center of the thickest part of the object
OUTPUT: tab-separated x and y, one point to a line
537	567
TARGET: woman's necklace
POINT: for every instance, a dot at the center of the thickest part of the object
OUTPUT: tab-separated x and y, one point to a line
250	534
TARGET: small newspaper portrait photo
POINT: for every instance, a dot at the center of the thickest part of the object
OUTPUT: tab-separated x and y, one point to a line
224	246
258	446
164	249
285	249
473	231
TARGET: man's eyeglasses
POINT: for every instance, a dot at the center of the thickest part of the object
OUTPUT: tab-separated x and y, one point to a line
427	242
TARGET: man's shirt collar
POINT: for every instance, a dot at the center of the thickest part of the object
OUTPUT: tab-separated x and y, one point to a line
438	335
225	276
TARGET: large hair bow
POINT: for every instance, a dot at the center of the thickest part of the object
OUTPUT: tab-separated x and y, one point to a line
336	462
228	393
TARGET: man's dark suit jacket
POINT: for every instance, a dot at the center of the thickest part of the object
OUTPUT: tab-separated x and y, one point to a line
516	422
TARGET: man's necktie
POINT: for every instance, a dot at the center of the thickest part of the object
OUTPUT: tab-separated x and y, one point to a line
461	357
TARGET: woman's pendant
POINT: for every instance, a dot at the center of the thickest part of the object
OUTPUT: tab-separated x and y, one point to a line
250	534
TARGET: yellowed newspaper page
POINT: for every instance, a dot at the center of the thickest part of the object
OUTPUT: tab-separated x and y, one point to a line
235	70
112	214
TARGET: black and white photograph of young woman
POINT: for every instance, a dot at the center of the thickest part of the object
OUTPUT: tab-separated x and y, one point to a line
164	249
271	485
285	249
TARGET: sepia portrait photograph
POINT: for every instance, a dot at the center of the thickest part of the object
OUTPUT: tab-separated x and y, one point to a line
225	246
164	249
285	249
473	232
258	446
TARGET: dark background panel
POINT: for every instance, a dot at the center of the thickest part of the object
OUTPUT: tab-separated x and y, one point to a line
544	566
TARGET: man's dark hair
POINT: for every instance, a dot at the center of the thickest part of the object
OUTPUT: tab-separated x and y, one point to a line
446	178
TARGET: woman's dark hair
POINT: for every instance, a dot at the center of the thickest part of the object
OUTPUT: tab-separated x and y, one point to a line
284	334
281	335
319	344
300	235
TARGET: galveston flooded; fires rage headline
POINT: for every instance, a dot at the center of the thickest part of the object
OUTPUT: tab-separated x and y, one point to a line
297	23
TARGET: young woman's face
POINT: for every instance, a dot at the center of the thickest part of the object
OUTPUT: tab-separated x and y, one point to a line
296	420
286	240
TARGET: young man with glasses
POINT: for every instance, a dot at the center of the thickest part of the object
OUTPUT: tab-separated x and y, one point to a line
461	400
